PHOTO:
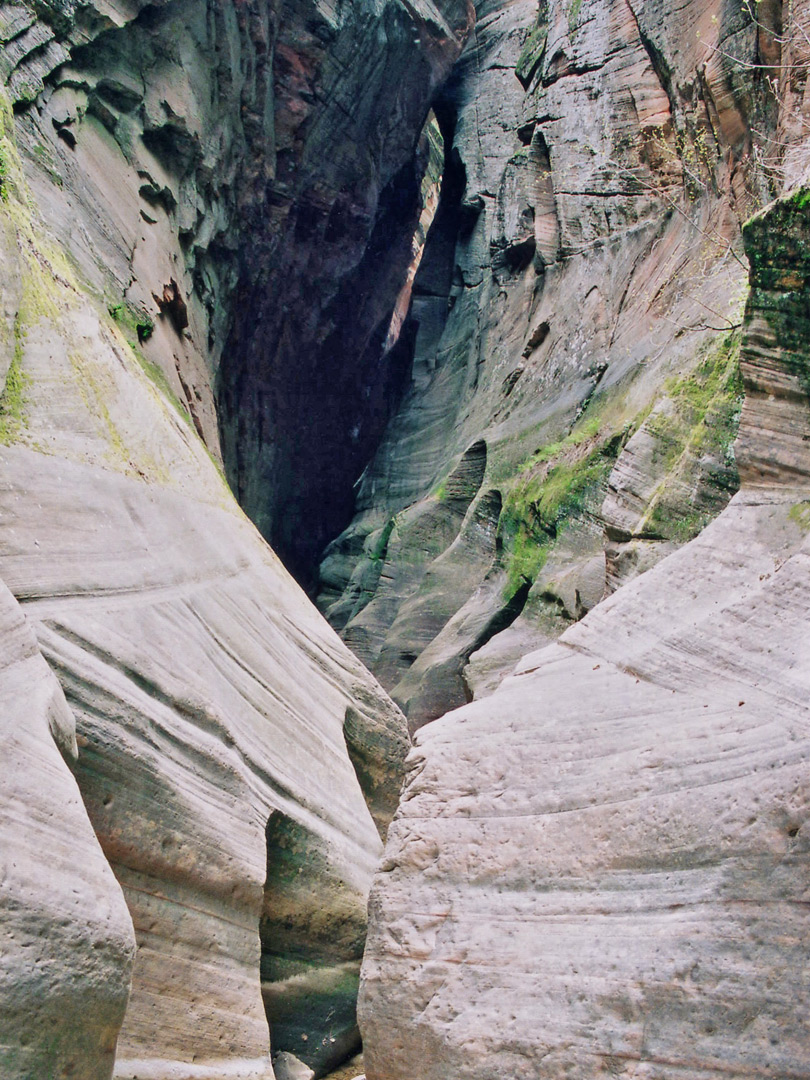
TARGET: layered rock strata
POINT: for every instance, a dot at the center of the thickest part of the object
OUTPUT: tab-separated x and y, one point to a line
603	867
258	165
583	269
226	736
67	942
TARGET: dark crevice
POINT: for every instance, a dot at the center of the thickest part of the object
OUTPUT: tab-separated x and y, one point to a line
302	413
310	953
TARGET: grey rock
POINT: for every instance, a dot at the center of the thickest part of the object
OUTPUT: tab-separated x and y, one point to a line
586	253
602	864
67	939
288	1067
210	697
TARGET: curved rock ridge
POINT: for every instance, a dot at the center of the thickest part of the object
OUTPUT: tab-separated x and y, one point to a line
210	700
584	267
602	868
67	939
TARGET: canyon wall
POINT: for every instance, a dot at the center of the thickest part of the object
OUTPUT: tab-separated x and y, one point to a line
236	762
602	868
68	942
232	310
576	332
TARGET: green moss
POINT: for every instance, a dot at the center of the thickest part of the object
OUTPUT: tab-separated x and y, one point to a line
534	49
6	135
137	327
679	524
380	549
4	169
440	494
708	404
13	398
93	387
800	198
702	425
573	16
563	482
132	321
160	381
800	514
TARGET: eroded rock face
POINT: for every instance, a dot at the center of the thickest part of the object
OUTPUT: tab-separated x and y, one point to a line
258	165
67	940
602	868
213	705
309	383
585	257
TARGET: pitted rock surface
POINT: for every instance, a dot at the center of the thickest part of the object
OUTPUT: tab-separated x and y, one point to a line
602	868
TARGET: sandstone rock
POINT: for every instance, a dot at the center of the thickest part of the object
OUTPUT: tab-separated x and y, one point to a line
610	826
67	940
195	738
288	1067
585	255
601	867
559	826
352	1070
199	146
678	471
210	702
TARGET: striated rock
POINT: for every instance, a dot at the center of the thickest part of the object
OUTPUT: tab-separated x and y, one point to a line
323	272
632	855
210	701
774	443
584	267
602	868
265	157
679	470
67	941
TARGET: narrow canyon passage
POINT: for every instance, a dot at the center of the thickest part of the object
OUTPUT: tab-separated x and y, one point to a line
404	511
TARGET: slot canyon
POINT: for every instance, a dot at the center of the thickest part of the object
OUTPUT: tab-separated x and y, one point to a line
404	539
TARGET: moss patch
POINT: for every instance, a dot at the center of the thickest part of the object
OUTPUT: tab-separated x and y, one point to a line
136	324
563	482
137	327
701	427
708	403
573	16
380	549
800	515
534	48
12	400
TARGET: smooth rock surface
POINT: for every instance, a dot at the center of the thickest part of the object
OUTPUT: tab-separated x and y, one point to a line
210	700
66	938
603	867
